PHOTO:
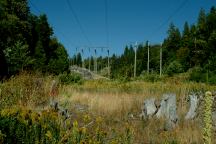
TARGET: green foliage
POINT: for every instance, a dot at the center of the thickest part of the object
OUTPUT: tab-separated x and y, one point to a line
70	78
59	62
2	136
26	41
151	77
17	57
174	67
199	74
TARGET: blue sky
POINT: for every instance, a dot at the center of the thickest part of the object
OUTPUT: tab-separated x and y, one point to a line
127	21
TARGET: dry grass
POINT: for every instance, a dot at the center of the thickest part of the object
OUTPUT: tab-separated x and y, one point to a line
115	101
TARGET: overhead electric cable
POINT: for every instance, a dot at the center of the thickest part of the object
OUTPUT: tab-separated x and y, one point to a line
170	17
35	7
60	32
106	22
78	22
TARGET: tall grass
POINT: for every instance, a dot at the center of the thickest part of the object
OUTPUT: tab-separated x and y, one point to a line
111	108
117	102
26	89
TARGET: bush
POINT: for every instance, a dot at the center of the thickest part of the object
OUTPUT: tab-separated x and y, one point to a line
70	78
212	79
199	74
151	77
174	67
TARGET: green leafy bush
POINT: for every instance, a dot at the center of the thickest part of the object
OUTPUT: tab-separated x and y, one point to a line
173	68
199	74
70	78
151	77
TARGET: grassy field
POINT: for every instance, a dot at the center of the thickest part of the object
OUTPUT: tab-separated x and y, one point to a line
107	108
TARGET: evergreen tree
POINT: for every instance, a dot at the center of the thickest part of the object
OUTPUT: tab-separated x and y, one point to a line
17	57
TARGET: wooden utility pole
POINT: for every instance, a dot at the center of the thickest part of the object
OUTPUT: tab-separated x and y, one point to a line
95	58
135	57
89	61
83	63
95	61
108	63
148	59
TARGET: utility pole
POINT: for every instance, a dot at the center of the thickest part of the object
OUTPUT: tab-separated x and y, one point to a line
76	57
148	59
161	60
95	58
89	61
135	57
95	61
83	63
108	63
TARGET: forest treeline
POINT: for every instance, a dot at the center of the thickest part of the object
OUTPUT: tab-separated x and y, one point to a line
27	41
193	49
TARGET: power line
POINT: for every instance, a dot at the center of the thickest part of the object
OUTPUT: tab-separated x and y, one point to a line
35	7
78	21
171	16
60	32
106	22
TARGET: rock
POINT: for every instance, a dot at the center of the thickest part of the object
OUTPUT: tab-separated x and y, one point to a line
168	110
193	107
149	108
85	73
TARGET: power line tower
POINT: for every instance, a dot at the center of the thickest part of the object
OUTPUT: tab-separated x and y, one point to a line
95	58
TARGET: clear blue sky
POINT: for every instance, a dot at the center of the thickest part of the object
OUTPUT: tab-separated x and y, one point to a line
128	20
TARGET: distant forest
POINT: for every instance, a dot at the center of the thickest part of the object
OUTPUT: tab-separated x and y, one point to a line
27	43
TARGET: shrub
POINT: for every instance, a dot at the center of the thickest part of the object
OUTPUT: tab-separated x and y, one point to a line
197	74
70	78
174	67
151	77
